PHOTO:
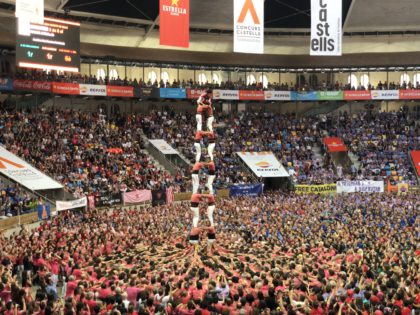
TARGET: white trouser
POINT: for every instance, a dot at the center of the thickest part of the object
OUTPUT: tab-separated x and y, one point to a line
197	147
210	150
210	210
210	123
210	180
196	216
195	183
199	119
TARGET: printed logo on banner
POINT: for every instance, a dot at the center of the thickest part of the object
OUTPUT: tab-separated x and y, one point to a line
225	95
326	27
175	23
249	26
263	164
385	95
93	90
277	96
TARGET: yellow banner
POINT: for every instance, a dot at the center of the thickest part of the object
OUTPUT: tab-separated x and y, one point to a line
316	189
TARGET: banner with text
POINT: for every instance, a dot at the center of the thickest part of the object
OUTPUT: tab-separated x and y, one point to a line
137	196
174	23
302	96
385	95
365	186
163	146
6	84
65	88
71	204
23	173
248	26
335	144
173	93
194	94
226	95
120	91
92	90
330	96
357	95
415	155
409	94
263	164
277	96
27	85
251	95
315	189
254	190
326	27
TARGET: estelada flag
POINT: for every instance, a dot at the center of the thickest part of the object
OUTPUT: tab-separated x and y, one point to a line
175	23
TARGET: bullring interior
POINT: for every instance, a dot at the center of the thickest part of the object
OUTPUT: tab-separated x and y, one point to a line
153	179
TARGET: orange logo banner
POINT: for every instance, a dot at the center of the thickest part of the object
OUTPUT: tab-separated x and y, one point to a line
248	7
2	166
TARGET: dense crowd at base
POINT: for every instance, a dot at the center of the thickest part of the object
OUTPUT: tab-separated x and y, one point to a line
277	254
242	84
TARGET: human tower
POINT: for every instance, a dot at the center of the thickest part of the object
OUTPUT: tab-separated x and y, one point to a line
203	196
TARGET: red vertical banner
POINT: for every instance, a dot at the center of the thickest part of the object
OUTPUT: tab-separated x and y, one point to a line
175	23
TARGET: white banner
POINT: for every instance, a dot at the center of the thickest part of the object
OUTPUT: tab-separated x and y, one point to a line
73	204
385	95
93	90
277	96
163	146
225	95
30	10
17	169
326	27
248	26
263	164
365	186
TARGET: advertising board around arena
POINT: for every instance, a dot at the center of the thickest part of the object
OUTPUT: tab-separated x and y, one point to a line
385	95
27	85
254	190
226	95
23	173
71	204
409	94
163	146
6	84
147	93
246	95
365	186
304	96
415	156
92	90
193	94
357	95
330	95
277	96
173	93
120	91
263	164
315	189
65	88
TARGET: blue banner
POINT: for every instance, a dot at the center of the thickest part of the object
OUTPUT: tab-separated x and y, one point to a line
44	212
6	84
246	190
304	96
173	93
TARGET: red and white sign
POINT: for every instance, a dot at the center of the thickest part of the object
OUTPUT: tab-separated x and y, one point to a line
357	95
415	155
248	26
137	196
65	88
27	85
277	96
174	23
226	95
385	95
93	90
193	94
251	95
409	94
335	144
120	91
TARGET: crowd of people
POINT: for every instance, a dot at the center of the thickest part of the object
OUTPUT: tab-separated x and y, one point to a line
15	200
301	84
383	142
85	152
276	254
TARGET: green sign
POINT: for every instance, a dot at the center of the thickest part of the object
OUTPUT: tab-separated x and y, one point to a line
330	96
